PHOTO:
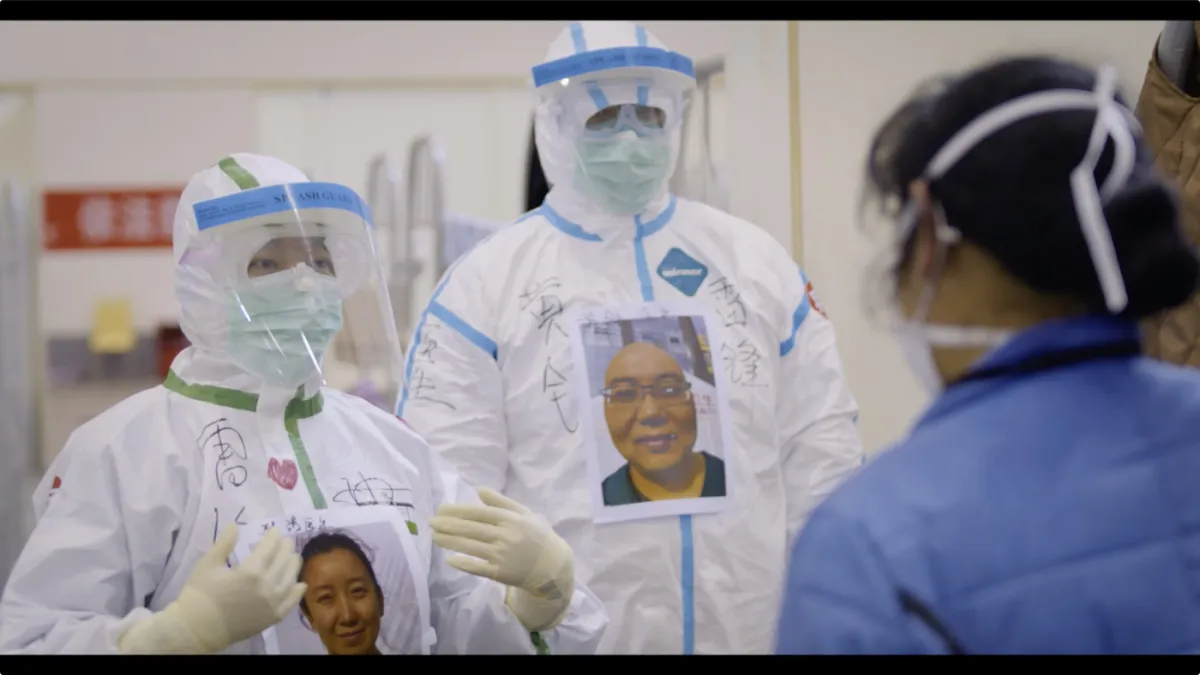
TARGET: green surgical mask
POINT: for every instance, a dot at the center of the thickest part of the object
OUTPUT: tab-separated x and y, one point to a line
622	173
280	333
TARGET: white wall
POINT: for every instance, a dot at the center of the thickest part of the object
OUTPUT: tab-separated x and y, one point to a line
336	134
110	137
483	136
134	103
851	75
756	91
35	52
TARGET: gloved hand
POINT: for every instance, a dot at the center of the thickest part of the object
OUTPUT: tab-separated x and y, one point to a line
220	606
511	545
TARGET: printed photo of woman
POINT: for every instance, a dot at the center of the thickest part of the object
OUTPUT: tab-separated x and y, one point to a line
344	602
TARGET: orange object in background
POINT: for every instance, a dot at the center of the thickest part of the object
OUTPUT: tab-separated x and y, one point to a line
98	219
171	341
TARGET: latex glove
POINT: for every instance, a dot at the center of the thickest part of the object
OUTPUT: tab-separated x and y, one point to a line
510	544
220	606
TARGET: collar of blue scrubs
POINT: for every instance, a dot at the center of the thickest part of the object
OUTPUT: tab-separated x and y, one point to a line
1049	337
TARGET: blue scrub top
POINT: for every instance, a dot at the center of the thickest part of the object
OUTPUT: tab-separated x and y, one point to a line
1052	511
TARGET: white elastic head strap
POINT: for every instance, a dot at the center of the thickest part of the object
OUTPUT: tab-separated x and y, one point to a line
1112	121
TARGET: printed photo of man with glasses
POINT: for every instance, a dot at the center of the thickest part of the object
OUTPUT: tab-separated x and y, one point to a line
654	413
651	416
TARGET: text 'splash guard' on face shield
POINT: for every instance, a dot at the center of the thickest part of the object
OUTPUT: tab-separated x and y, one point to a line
298	266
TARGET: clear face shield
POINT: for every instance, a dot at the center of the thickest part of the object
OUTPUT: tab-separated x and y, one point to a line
296	272
623	132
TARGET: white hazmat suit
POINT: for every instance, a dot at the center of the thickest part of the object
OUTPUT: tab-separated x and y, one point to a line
139	494
489	378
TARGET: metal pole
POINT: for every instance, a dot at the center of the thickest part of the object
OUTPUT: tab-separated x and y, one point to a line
17	448
383	198
425	150
425	209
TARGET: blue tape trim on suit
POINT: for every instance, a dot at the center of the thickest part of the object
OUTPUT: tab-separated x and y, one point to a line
597	94
688	583
639	249
567	227
465	329
798	317
416	339
643	91
577	38
687	550
484	342
611	59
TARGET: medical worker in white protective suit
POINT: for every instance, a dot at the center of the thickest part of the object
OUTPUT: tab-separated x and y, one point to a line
140	512
490	382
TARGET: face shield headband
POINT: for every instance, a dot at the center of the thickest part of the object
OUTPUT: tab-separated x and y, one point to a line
1112	121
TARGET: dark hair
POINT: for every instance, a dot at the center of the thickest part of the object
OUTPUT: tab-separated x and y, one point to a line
327	542
536	185
1011	195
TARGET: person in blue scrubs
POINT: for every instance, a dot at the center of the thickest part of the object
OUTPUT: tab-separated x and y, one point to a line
1049	499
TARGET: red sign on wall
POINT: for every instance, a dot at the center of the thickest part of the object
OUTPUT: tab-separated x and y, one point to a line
91	219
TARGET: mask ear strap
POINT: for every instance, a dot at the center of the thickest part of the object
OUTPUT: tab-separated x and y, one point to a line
1112	121
965	336
944	237
1089	202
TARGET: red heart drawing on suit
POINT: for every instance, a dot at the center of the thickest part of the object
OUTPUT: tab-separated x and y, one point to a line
283	473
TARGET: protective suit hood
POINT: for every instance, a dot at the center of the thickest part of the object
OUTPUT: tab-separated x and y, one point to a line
614	62
203	301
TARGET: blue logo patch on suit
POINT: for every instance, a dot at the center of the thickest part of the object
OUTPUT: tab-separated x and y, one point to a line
682	271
